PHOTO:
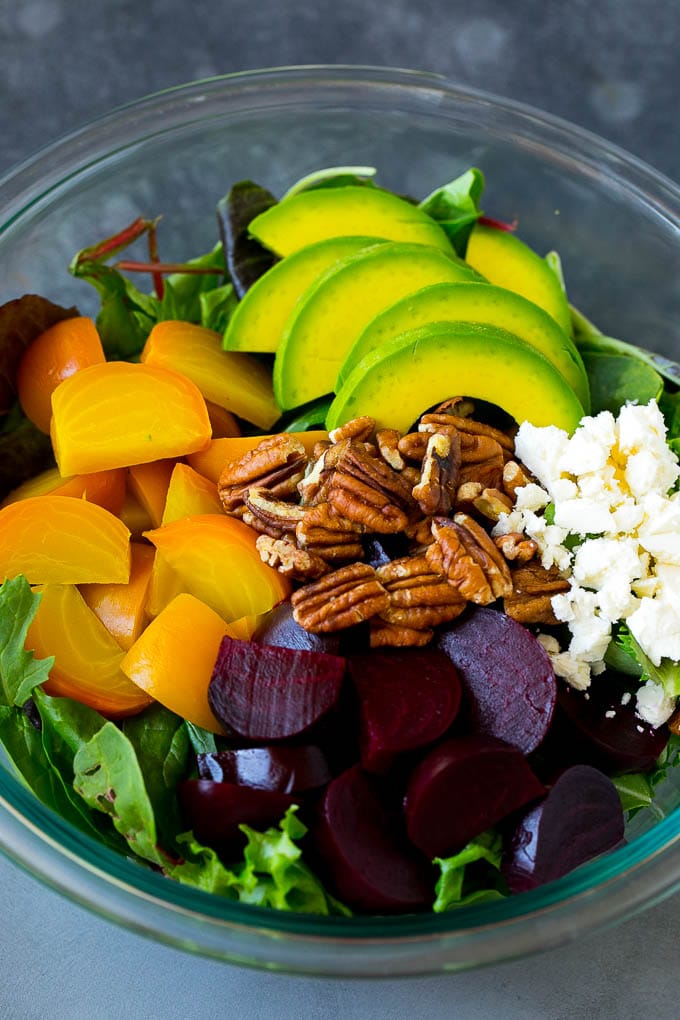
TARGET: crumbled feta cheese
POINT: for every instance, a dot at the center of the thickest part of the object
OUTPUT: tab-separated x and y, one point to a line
574	671
655	625
609	484
653	705
611	714
625	698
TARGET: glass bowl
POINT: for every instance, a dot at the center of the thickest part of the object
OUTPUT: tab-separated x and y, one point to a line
616	224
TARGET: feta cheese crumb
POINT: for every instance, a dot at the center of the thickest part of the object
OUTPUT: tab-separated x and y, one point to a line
653	704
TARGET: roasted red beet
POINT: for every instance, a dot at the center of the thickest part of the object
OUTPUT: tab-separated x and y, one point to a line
264	693
215	810
599	730
507	677
279	628
408	698
580	818
462	787
370	866
283	769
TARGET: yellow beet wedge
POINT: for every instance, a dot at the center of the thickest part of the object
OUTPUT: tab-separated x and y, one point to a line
63	540
400	380
315	215
117	414
237	382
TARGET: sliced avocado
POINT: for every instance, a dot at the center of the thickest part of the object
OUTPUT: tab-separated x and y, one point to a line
259	317
503	259
397	382
331	314
476	302
311	216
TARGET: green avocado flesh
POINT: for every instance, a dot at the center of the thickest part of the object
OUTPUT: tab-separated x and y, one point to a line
476	302
259	318
333	312
311	216
503	259
398	381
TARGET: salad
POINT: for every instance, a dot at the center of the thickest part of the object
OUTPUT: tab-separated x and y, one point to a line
341	569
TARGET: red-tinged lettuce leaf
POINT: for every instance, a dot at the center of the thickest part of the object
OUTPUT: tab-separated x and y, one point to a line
21	321
246	258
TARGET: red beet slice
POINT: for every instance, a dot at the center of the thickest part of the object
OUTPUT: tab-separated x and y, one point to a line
507	677
462	787
599	730
279	628
215	810
408	699
284	769
580	818
369	865
264	693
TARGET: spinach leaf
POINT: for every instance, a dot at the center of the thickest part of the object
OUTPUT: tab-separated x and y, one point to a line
126	315
459	885
109	779
202	741
312	415
616	378
20	671
217	307
590	341
25	451
637	790
161	744
455	207
246	258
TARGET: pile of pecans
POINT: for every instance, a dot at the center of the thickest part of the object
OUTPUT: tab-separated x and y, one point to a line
420	507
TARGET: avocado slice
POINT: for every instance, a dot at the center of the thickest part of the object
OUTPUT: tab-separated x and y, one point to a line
311	216
396	382
503	259
259	317
332	313
476	302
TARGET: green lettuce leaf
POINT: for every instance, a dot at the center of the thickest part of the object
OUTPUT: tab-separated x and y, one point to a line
20	671
272	873
455	207
459	885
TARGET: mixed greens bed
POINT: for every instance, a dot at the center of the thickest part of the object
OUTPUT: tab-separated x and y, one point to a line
296	314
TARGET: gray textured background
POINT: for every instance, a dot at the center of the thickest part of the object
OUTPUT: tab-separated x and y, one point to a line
608	65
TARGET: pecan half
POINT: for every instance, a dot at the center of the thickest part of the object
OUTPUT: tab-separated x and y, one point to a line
533	587
468	558
368	491
284	556
516	547
492	503
436	489
277	464
467	426
275	515
340	599
515	476
329	535
391	635
388	445
358	428
420	598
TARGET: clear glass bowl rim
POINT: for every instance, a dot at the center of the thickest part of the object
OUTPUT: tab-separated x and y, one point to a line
602	892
